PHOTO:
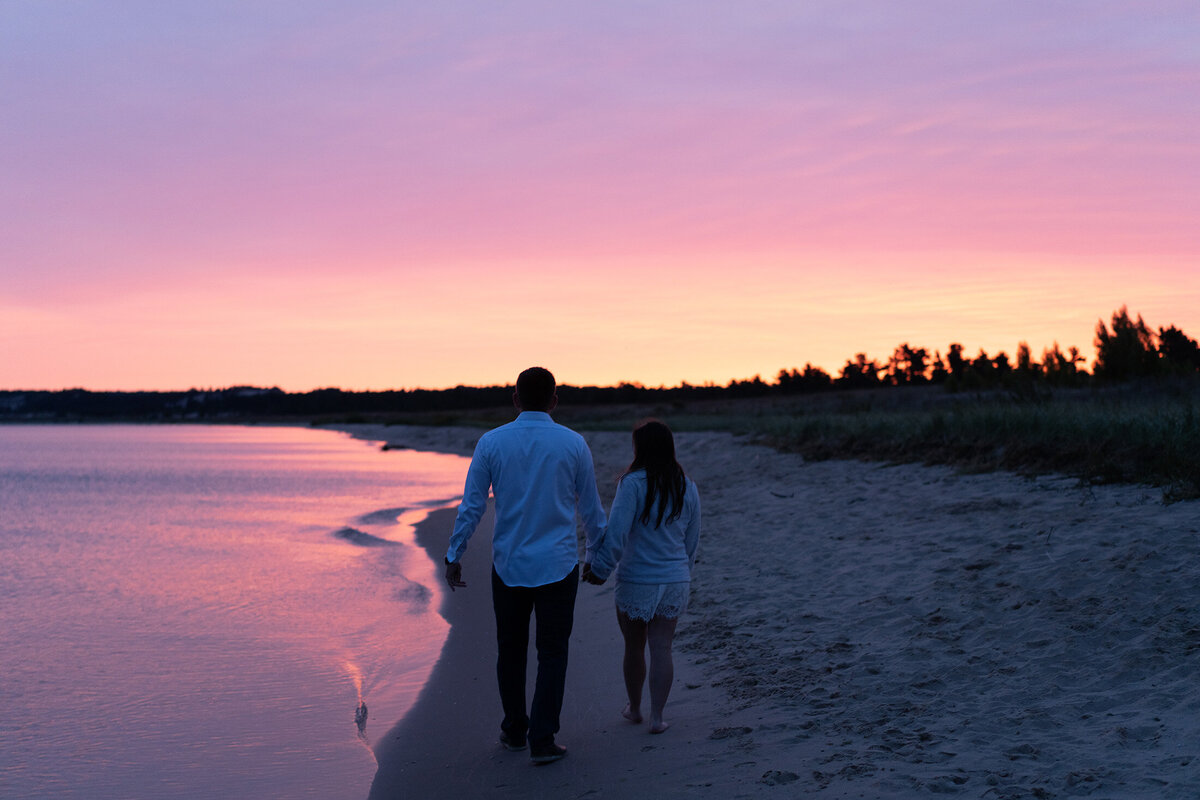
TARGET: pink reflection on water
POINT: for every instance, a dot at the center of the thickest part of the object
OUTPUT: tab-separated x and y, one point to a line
179	616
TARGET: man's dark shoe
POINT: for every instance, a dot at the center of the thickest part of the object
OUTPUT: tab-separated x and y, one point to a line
512	741
546	753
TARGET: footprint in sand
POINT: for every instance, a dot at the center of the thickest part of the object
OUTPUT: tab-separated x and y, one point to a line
778	777
725	733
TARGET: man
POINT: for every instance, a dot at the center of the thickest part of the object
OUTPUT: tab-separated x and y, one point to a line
540	473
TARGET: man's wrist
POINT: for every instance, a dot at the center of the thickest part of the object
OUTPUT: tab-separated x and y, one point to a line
448	561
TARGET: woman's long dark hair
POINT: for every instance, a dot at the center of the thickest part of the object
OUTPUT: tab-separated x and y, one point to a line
654	451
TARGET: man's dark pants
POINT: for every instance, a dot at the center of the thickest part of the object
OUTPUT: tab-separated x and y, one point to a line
553	607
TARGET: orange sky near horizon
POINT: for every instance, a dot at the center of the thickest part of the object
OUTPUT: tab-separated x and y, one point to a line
396	196
733	321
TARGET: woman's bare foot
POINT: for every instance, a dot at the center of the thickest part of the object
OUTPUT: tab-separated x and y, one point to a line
658	727
631	715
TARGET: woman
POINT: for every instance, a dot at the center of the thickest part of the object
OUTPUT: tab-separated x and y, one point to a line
653	530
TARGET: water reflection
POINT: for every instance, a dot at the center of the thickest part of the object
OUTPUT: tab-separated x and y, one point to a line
193	611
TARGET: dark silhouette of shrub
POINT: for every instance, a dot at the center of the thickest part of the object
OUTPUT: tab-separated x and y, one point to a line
937	370
1127	351
860	373
1062	369
955	361
907	366
811	379
1025	363
1179	352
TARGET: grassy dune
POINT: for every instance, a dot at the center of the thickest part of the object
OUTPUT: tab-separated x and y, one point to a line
1153	440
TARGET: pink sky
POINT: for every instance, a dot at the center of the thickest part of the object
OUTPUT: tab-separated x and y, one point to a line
377	195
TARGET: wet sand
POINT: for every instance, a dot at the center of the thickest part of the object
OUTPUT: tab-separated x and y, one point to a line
856	630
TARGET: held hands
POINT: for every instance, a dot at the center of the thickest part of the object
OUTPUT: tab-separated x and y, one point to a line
454	575
589	577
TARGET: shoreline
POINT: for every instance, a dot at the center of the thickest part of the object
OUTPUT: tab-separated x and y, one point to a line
866	629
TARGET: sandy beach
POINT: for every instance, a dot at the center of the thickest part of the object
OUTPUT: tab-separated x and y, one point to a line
856	630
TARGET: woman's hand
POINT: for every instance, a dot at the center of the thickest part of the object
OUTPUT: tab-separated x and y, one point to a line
589	577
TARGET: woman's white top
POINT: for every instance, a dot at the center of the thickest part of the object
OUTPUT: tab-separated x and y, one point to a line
640	551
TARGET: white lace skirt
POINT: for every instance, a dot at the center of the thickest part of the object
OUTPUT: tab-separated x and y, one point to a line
644	601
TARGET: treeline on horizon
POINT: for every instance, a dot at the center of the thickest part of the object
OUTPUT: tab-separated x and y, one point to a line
1126	349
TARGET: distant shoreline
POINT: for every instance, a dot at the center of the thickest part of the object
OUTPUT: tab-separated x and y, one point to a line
1144	432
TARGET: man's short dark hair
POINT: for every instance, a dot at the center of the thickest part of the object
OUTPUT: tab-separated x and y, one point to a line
535	389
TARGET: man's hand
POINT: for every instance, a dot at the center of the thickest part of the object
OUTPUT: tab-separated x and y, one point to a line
590	577
454	575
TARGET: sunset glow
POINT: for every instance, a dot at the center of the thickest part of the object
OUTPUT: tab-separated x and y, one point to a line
383	195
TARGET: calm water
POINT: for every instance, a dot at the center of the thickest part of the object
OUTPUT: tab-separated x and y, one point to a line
197	611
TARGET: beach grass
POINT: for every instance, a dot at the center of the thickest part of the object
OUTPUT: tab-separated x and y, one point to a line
1153	444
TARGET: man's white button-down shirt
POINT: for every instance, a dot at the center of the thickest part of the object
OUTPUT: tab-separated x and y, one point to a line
540	472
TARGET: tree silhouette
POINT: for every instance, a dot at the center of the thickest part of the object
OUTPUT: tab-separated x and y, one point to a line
811	379
981	368
1180	352
815	378
938	372
1128	351
1000	364
860	373
907	365
955	361
1026	366
1062	369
